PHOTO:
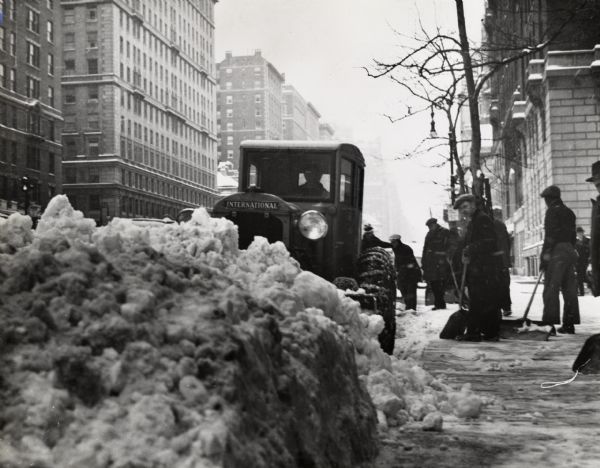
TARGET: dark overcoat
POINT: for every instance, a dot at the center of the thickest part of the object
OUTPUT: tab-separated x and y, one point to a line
481	245
436	251
407	267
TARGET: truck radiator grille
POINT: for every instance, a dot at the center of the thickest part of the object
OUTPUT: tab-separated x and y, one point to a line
256	224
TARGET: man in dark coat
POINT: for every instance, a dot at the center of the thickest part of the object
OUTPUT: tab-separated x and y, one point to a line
371	240
558	261
435	261
595	232
582	246
483	275
408	273
503	254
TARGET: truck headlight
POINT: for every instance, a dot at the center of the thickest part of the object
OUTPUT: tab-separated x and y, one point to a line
313	225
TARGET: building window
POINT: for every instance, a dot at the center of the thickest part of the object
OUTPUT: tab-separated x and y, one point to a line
92	40
93	146
70	152
70	66
51	96
51	163
94	175
12	44
93	122
92	13
228	71
93	93
50	31
69	40
33	54
229	99
229	154
70	97
229	112
92	66
12	80
228	85
229	126
230	140
2	39
69	15
257	113
50	64
50	4
2	75
33	157
33	87
257	98
33	21
258	124
94	202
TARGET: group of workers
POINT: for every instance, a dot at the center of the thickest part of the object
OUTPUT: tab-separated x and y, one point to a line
484	257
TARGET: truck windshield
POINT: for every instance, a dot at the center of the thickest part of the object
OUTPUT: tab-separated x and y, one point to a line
291	175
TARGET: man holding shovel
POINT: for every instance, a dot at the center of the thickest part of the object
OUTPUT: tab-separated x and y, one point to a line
558	261
483	280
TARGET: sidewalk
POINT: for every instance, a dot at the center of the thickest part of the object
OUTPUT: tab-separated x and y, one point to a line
522	425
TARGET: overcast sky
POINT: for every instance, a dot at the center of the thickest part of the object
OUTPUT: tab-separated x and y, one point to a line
322	45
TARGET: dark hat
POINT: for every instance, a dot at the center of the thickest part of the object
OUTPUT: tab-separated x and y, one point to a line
430	221
551	192
463	198
368	228
579	229
595	172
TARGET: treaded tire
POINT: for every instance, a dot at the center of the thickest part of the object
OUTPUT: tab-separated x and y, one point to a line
377	275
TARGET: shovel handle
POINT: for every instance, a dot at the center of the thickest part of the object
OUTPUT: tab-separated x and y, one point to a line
537	283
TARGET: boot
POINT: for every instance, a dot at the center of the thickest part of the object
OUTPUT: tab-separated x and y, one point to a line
567	329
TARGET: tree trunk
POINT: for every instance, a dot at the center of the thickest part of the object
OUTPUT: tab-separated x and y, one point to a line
475	161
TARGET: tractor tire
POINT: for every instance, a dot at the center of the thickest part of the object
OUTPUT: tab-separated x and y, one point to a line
377	275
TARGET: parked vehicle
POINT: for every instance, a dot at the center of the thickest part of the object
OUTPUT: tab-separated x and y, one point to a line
309	195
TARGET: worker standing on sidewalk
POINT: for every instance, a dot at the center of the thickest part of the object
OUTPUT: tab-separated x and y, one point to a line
558	260
595	234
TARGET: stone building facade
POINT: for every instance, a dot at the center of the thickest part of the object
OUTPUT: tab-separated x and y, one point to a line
249	103
139	103
30	97
544	112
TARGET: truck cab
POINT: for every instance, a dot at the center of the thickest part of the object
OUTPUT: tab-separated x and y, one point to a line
306	194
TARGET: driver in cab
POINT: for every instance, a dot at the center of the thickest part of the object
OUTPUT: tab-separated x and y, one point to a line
313	186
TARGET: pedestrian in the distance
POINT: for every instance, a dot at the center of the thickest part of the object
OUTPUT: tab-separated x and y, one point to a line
435	261
558	261
582	246
483	276
503	254
595	232
369	239
408	273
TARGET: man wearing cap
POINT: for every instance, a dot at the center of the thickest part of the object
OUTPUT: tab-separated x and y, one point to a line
371	240
408	273
436	252
558	261
595	233
582	246
483	272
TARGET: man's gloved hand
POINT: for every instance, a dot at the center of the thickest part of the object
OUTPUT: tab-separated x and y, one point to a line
544	259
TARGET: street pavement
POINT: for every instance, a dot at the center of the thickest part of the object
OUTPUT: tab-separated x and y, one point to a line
522	424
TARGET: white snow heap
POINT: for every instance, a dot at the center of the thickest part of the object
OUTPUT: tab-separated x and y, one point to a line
141	326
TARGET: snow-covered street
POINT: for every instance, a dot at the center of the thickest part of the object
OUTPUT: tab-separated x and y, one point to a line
521	424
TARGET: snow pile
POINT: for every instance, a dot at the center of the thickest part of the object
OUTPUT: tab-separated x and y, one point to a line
162	346
166	346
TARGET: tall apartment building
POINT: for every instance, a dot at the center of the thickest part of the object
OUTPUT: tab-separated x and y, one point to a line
30	96
544	112
295	110
139	103
249	103
312	122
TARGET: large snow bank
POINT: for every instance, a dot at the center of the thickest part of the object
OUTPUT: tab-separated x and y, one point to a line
163	346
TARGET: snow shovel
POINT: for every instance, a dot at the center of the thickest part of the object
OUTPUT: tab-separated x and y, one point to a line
457	322
524	328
